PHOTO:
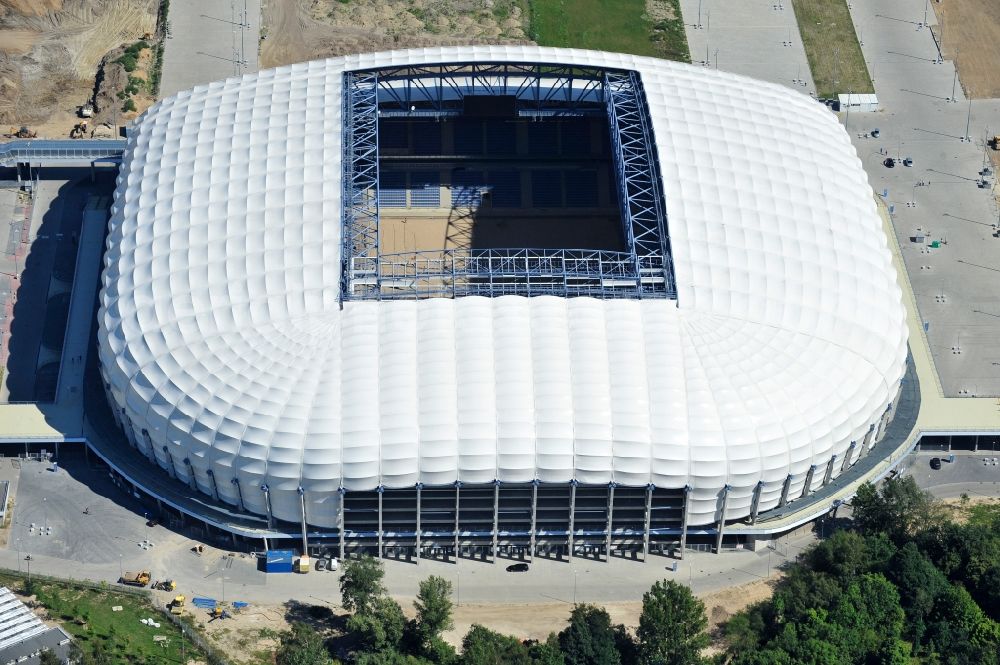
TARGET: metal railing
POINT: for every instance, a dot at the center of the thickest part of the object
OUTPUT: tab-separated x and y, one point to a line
44	150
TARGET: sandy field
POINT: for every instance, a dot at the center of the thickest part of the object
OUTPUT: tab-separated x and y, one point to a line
299	30
250	635
50	51
969	32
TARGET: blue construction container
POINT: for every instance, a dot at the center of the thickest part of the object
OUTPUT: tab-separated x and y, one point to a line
279	561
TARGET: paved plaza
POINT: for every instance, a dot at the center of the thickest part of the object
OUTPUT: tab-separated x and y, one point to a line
209	41
757	38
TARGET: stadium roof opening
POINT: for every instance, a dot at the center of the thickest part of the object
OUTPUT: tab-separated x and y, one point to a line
515	178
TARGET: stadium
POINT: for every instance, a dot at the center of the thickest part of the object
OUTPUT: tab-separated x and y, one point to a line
498	297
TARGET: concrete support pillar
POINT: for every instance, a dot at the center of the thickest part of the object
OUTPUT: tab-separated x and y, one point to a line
829	470
302	505
684	521
610	526
975	444
809	479
949	443
419	533
866	445
755	504
341	521
266	546
235	545
722	519
458	487
784	491
534	514
848	455
57	451
239	494
192	483
645	528
496	518
267	505
380	492
572	515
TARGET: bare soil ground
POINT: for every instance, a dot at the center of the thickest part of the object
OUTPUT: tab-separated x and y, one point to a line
50	51
299	30
250	636
969	33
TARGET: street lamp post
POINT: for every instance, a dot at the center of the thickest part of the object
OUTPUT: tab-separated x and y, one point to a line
968	119
18	544
574	587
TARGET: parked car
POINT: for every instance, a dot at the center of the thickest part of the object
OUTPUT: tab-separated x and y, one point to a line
517	568
935	463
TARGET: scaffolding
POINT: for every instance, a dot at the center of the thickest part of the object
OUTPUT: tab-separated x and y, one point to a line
644	271
360	182
637	168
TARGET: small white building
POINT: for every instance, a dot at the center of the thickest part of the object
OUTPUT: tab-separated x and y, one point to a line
856	102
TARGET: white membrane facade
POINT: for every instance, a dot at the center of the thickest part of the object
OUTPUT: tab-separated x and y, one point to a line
225	349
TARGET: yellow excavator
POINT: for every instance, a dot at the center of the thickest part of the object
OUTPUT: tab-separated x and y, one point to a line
176	605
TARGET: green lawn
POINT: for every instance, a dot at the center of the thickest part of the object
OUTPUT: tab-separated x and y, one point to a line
111	637
835	57
610	25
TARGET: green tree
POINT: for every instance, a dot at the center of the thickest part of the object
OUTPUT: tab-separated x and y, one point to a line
589	639
433	606
671	626
899	508
301	646
482	646
379	627
547	652
361	584
48	657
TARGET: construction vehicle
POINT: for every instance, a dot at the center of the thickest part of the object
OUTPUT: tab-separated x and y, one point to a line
165	585
79	130
86	111
135	579
219	612
176	606
23	133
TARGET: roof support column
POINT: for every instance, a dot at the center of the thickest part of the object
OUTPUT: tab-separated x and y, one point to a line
166	452
684	521
848	455
266	548
534	515
572	515
192	483
645	528
722	519
496	517
341	520
755	505
809	480
239	491
380	491
784	491
302	505
458	487
215	486
829	470
419	534
866	444
611	514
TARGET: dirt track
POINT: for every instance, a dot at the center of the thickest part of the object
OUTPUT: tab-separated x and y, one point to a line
299	30
969	31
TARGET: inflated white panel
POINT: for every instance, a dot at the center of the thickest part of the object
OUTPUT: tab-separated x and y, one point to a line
221	335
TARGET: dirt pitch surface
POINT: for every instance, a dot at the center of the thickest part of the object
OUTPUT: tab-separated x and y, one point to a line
300	30
969	32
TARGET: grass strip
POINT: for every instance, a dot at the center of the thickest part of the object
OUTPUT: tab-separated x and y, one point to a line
620	26
835	58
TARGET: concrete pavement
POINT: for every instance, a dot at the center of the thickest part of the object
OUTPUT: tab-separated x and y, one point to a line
209	41
955	285
757	38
